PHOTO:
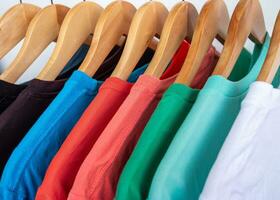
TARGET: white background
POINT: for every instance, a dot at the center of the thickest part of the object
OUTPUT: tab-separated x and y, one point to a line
270	10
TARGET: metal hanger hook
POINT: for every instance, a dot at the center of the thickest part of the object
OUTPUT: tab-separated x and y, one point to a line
20	1
51	1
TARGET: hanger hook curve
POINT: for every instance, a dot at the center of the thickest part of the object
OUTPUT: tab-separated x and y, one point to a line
51	1
20	1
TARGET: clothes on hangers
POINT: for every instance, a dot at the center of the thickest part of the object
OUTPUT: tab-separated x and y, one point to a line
87	130
184	168
136	177
103	138
43	140
112	92
96	178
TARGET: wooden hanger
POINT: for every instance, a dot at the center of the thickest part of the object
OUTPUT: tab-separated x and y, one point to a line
212	23
179	25
113	23
78	24
147	22
247	20
13	25
272	61
43	29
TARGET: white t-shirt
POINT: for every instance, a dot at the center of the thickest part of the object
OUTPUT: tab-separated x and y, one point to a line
248	165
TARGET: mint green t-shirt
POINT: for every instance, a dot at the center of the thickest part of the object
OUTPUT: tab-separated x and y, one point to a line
184	168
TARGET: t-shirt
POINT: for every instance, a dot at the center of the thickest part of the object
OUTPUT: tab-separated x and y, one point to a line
138	172
98	175
248	164
28	163
62	170
190	156
19	117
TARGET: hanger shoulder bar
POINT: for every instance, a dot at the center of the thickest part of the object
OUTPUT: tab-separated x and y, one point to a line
179	25
78	24
212	23
14	24
272	61
247	19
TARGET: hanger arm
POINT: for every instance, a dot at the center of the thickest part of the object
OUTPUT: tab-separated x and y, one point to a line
247	20
147	22
212	23
179	25
272	61
13	25
113	23
43	29
78	24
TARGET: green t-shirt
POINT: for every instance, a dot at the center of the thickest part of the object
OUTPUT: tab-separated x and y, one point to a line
184	168
176	103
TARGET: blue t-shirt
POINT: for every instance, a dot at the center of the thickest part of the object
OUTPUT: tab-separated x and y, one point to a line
25	169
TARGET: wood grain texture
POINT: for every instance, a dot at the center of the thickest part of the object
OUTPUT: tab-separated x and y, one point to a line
247	20
178	26
212	23
113	23
43	29
78	24
272	61
147	22
14	24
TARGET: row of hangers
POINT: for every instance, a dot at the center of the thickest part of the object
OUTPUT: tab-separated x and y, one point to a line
120	23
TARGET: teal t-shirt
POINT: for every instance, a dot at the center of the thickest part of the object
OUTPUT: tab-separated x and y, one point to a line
191	154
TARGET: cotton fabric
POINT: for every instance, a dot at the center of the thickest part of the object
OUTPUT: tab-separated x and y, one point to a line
190	156
98	176
248	164
137	175
61	173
